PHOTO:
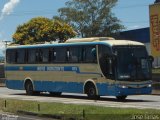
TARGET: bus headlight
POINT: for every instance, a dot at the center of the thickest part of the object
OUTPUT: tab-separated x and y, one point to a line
123	86
150	85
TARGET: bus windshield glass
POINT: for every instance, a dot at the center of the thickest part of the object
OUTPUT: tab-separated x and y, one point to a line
132	63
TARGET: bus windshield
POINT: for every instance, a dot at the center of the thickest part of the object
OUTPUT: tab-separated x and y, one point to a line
132	63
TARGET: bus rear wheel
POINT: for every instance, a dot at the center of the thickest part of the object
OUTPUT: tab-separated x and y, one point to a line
29	88
121	98
91	92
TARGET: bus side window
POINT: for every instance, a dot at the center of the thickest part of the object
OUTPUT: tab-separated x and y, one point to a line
82	54
68	56
20	56
72	54
39	55
31	56
94	54
11	56
43	55
60	55
89	54
52	55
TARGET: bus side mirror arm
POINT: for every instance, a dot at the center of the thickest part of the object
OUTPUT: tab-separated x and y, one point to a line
111	61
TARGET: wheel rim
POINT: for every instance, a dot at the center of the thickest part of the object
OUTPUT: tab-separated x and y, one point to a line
91	91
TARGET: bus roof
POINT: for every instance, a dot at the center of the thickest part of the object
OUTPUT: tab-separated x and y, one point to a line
91	39
123	42
105	42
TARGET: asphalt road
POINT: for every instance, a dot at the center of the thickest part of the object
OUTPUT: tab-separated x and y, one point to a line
136	101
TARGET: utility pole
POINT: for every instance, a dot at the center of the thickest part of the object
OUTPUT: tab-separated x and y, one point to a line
6	43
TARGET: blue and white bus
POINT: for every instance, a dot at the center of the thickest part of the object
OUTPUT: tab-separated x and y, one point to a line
93	66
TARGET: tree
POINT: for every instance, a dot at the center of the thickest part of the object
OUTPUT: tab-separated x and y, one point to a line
91	17
157	1
42	29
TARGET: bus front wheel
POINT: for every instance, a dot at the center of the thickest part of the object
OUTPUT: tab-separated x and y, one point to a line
121	98
55	93
29	88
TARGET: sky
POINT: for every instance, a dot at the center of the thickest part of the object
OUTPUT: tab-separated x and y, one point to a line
133	14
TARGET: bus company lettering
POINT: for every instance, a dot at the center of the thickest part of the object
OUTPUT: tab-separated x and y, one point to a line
41	68
55	68
74	68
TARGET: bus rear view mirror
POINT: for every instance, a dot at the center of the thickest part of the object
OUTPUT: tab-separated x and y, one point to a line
151	58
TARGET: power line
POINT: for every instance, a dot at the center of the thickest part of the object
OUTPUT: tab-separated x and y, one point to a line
130	6
135	21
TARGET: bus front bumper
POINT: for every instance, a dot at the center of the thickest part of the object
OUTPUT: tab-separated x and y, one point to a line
117	90
132	91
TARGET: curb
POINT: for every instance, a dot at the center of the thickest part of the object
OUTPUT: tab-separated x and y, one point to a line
40	115
56	117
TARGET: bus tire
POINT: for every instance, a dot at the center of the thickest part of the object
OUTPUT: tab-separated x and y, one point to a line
121	98
55	93
29	88
37	93
91	92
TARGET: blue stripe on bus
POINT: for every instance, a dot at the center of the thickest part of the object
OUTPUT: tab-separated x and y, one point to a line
48	86
15	84
48	68
77	87
17	68
73	87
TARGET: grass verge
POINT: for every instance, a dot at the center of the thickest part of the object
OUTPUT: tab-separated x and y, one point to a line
156	70
75	112
2	85
156	86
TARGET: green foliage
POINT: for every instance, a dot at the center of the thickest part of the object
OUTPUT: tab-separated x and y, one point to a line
156	71
91	17
42	29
